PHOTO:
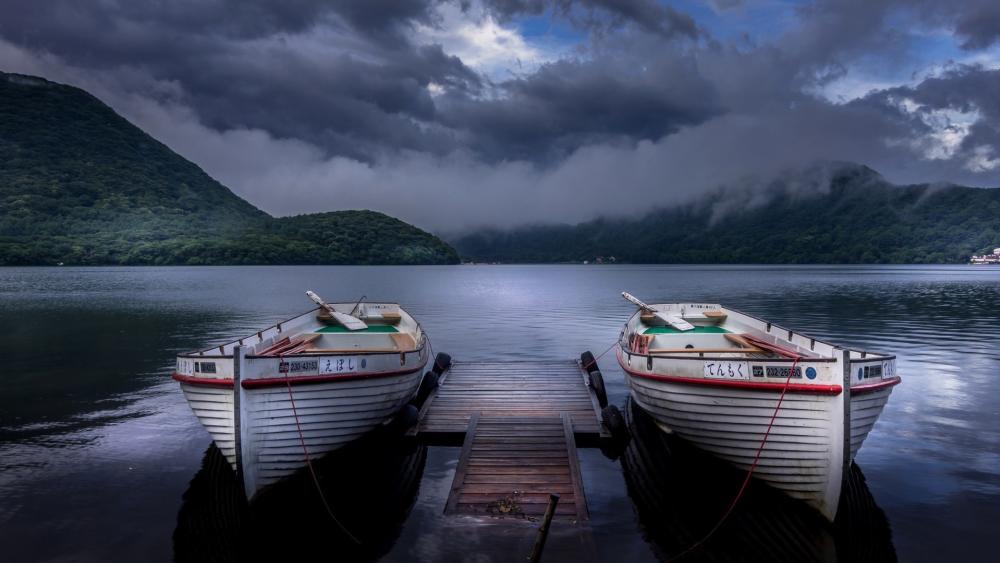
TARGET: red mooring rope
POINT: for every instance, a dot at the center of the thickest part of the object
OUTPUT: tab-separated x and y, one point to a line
746	480
598	357
312	472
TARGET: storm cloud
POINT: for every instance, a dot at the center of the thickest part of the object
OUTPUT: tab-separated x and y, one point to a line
456	115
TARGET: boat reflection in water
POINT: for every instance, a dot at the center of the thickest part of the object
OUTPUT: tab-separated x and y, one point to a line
680	493
370	485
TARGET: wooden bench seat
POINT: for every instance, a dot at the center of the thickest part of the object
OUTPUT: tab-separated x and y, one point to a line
404	342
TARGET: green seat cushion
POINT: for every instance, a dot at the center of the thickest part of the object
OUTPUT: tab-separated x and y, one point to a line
711	329
371	328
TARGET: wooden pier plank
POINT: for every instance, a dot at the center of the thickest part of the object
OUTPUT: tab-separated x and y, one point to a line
518	423
462	462
520	391
505	460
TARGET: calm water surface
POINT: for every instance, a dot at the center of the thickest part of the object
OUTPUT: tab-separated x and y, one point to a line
101	459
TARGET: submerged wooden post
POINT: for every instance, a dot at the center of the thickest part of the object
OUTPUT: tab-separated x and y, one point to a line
543	532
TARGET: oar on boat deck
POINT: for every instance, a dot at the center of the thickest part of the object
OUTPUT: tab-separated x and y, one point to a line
348	322
780	350
672	320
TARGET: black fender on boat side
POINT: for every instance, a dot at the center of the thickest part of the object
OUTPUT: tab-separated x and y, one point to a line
596	382
427	386
614	422
441	363
404	419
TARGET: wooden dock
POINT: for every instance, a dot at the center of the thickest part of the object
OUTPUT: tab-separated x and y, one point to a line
519	424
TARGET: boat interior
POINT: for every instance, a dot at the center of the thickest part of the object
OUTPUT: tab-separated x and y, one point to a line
679	329
389	329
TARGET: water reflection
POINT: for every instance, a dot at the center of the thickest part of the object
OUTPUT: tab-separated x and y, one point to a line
680	493
370	485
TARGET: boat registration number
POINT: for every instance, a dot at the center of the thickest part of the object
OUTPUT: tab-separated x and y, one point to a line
727	370
346	364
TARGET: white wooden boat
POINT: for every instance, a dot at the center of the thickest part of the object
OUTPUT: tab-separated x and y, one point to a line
713	376
325	377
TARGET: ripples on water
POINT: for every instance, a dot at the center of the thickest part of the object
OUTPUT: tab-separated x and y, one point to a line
97	446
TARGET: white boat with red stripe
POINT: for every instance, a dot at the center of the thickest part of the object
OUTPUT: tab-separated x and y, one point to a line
305	386
715	376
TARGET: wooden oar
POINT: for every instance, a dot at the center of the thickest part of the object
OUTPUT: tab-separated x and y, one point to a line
743	343
780	350
672	320
347	321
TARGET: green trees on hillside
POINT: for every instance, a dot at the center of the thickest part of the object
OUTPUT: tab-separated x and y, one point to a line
860	219
79	184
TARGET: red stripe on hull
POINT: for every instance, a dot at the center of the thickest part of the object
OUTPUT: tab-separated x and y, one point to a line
749	385
207	382
314	379
861	389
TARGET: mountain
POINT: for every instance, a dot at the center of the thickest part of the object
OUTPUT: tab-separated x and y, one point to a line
79	184
850	216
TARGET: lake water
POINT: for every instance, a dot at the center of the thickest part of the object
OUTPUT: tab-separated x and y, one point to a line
101	459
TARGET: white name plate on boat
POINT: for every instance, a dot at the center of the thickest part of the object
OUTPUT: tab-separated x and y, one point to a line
727	370
341	364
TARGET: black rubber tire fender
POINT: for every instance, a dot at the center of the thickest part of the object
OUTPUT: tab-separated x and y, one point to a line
404	418
427	386
596	382
441	363
614	422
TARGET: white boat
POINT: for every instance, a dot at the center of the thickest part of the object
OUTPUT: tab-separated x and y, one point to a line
714	376
325	378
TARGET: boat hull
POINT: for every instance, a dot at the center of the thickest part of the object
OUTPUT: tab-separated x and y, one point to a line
816	433
801	456
866	407
793	408
251	418
213	406
304	387
330	415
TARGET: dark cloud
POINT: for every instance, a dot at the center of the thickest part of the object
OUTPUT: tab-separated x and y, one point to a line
346	76
725	4
649	15
980	28
306	105
963	89
342	75
569	104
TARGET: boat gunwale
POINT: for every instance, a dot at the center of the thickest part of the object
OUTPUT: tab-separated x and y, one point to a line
265	382
876	356
798	388
345	352
295	381
202	353
872	387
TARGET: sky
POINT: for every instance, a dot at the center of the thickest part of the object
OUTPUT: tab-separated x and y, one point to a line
458	115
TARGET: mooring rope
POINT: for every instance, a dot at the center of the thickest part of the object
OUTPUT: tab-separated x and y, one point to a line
312	472
598	357
753	466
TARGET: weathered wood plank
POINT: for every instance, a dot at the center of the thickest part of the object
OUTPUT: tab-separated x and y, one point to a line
518	390
520	421
574	468
463	461
510	472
